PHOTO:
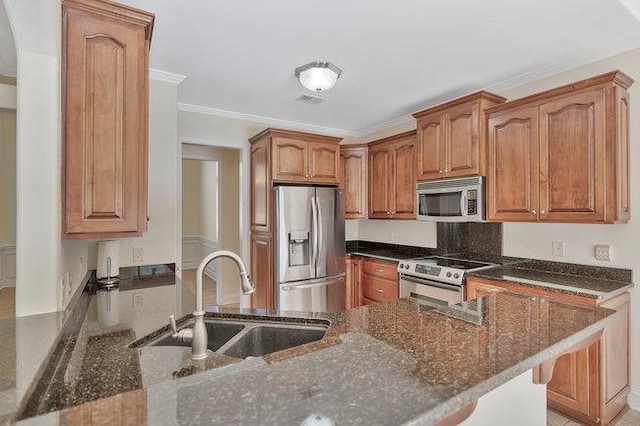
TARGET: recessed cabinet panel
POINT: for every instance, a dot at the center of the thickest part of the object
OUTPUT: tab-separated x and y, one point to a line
289	160
463	148
354	179
431	150
379	167
260	186
404	188
105	92
324	162
513	173
571	137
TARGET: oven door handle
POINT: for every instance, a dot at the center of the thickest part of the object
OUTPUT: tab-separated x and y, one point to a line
422	281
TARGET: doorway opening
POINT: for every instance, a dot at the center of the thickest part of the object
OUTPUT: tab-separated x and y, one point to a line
211	219
7	206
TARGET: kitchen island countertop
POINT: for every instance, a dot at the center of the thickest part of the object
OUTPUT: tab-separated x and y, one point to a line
392	362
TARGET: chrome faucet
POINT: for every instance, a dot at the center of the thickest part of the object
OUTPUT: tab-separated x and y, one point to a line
198	334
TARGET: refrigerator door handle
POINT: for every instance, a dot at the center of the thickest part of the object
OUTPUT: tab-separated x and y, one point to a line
288	287
315	224
320	244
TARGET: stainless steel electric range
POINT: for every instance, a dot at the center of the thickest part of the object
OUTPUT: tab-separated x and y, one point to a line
436	279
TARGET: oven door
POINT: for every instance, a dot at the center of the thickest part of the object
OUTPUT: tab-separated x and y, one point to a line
431	292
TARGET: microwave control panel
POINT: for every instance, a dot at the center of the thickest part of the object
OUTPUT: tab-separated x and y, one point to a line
472	202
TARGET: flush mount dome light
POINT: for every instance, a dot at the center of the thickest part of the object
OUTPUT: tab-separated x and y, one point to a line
318	76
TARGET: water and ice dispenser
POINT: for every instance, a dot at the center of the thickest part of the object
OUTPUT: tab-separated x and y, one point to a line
299	254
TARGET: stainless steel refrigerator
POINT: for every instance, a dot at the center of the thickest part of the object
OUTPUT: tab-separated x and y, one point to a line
310	249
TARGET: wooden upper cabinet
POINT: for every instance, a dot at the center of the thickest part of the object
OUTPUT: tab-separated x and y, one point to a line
512	176
260	178
324	162
289	161
392	177
353	178
304	158
562	155
450	139
105	119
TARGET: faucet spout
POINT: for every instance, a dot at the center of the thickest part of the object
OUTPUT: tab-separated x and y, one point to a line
199	343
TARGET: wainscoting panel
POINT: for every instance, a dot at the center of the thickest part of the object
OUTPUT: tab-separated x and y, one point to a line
194	249
7	266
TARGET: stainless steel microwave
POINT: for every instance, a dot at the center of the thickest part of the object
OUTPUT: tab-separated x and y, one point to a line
451	200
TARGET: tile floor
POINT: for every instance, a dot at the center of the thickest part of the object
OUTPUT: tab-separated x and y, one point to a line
630	418
7	302
208	286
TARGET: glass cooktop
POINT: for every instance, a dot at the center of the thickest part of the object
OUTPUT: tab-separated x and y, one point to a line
450	262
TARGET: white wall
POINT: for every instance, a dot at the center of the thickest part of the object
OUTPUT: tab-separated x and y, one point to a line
159	243
190	197
42	258
7	178
209	200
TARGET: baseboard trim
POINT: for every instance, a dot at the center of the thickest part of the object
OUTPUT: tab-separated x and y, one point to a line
634	399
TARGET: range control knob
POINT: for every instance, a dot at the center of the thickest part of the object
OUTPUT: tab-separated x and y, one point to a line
401	265
406	266
448	274
456	276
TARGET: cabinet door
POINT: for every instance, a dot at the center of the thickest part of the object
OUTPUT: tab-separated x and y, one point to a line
354	181
261	271
380	159
260	186
105	90
615	358
512	181
475	289
354	293
430	148
462	141
402	194
289	160
572	139
324	162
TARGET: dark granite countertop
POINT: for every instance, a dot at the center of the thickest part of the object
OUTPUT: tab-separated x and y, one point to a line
593	283
387	363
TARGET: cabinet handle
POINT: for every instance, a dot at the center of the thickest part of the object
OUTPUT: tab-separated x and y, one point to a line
379	290
378	270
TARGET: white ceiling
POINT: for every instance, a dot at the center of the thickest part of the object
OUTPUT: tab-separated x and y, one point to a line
397	56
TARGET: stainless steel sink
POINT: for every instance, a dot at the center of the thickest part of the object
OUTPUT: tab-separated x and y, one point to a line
245	338
264	339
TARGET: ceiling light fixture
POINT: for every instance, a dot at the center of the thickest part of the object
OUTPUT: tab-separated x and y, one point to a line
318	76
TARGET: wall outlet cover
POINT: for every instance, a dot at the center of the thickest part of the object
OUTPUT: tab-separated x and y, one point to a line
557	248
138	255
602	252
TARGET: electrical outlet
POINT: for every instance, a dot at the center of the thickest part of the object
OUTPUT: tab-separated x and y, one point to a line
557	248
392	236
81	271
69	278
138	255
138	301
63	291
602	252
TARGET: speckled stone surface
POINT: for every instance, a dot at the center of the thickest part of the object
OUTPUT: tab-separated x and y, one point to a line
387	363
588	286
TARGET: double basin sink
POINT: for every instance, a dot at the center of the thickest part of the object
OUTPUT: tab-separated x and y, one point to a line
240	338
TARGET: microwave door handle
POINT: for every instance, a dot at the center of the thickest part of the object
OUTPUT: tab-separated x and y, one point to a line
464	211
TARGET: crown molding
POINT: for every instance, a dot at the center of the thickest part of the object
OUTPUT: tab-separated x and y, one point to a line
267	121
595	55
603	52
166	76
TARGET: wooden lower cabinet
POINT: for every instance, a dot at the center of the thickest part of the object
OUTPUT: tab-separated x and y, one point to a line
370	281
590	385
354	294
262	270
378	280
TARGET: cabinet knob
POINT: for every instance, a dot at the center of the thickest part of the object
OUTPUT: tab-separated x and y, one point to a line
534	211
543	212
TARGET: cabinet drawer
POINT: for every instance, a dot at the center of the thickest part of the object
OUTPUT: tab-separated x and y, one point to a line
378	289
384	270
